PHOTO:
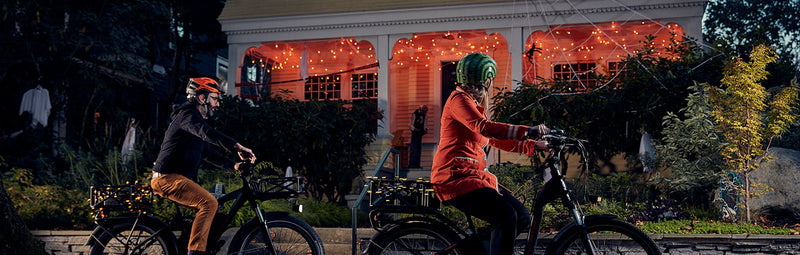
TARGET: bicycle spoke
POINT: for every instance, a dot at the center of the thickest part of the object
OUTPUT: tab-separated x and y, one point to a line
133	242
403	246
285	240
416	241
608	243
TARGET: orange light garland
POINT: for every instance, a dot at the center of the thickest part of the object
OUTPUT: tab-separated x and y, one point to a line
605	43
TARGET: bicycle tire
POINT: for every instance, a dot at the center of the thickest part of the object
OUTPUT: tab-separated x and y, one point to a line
290	236
127	237
414	238
609	236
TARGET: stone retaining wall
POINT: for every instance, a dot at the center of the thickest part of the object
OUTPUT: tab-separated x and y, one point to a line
337	242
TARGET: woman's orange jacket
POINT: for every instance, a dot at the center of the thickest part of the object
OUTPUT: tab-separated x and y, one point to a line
459	165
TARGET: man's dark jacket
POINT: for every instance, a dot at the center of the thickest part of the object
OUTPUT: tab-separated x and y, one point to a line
188	140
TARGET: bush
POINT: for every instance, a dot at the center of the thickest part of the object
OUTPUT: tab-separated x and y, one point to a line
322	140
46	206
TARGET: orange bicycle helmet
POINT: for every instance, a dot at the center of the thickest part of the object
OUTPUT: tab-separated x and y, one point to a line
202	86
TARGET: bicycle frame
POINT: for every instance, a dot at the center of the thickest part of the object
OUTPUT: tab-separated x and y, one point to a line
239	197
555	188
218	226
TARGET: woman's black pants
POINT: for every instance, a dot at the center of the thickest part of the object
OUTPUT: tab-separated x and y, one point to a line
507	215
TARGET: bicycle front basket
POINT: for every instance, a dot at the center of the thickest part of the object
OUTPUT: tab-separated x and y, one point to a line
279	187
130	198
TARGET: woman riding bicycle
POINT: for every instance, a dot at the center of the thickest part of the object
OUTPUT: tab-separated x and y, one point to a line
459	172
188	140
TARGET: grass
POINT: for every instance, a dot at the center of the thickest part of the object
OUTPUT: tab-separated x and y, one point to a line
714	227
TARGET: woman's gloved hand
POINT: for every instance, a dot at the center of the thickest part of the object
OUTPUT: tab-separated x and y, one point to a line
536	132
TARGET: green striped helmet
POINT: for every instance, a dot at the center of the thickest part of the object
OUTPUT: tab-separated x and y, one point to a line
475	68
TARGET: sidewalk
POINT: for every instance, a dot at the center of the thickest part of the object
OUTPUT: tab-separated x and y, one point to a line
337	241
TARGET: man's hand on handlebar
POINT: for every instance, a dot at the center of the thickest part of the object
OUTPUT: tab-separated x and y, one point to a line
245	153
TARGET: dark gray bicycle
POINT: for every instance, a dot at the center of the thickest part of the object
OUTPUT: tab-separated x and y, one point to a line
124	225
421	228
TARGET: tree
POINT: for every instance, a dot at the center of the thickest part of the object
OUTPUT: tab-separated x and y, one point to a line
689	150
749	117
100	62
736	26
324	141
194	31
612	116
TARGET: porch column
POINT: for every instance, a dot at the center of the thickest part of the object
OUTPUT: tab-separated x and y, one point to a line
235	52
516	45
382	52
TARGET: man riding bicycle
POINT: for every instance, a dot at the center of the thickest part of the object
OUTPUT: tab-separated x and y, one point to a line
459	172
188	140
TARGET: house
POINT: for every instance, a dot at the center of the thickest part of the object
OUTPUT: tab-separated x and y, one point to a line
402	54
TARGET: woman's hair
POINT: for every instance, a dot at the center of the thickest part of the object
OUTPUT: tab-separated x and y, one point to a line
480	95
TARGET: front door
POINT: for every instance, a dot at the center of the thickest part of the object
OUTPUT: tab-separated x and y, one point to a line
449	81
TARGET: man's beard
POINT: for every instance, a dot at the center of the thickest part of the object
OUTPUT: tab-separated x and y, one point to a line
208	111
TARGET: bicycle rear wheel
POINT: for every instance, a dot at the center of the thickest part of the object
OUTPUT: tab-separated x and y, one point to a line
414	238
609	236
130	238
289	235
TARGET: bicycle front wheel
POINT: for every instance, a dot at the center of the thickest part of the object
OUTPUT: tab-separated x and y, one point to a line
289	235
414	238
608	236
132	238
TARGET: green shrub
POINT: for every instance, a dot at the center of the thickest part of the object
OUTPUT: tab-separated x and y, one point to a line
46	206
322	140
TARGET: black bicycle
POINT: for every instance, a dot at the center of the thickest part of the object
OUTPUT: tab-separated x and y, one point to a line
406	226
124	225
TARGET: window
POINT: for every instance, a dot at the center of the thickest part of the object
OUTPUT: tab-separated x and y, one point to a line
256	76
583	72
614	68
323	87
365	85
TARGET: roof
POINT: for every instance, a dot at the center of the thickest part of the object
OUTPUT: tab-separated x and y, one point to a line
243	9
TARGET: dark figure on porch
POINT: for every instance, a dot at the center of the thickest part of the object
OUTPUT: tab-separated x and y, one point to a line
417	126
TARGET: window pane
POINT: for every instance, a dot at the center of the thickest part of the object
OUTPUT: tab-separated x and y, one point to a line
323	87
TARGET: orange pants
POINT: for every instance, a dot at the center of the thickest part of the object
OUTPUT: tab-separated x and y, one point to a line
188	193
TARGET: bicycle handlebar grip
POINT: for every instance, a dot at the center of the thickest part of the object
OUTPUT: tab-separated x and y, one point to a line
536	132
245	167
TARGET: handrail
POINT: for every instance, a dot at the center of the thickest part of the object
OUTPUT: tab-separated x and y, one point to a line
357	204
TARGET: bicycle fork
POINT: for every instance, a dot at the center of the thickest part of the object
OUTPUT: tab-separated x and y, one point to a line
587	243
553	189
579	220
267	236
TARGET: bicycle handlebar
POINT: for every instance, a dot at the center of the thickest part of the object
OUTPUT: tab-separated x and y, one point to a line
245	168
557	137
559	144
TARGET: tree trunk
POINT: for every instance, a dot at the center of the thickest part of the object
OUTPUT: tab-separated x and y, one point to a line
59	123
747	195
15	238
